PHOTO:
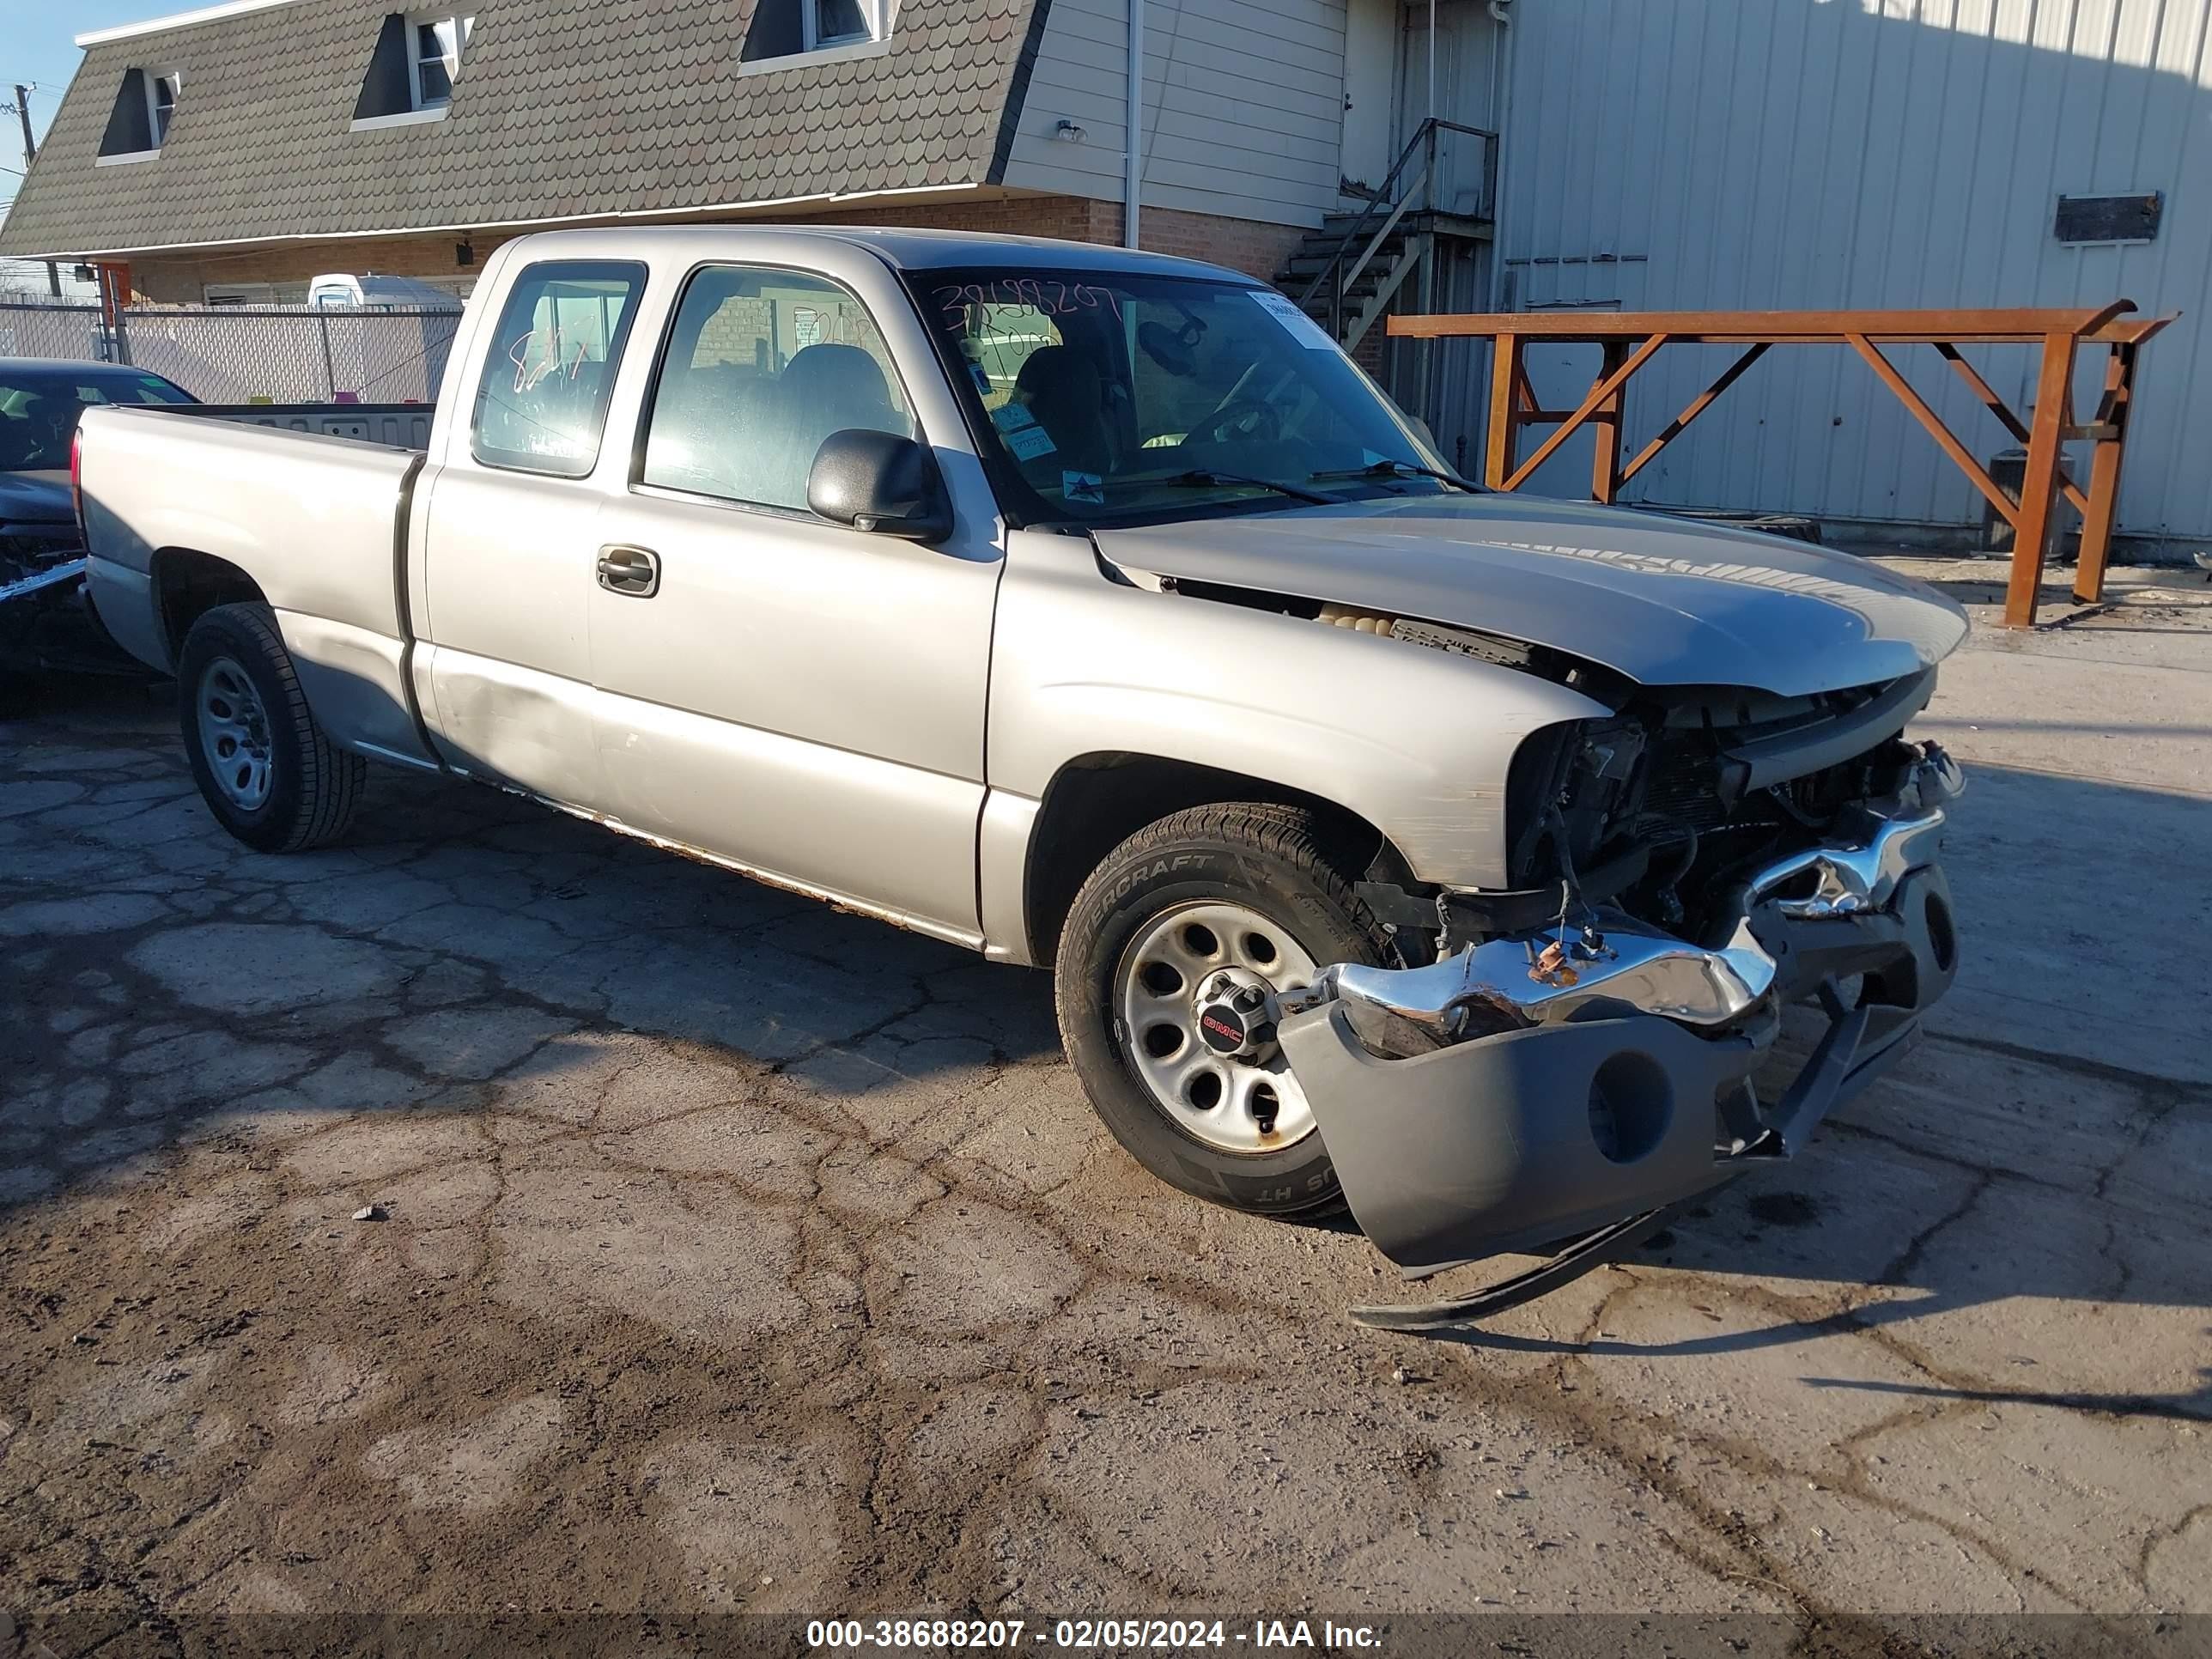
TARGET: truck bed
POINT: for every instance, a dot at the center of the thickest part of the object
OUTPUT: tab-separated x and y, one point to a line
316	522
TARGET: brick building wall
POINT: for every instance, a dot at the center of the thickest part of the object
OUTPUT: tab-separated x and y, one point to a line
1250	246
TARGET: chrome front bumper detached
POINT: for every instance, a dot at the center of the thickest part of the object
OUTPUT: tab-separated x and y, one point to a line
1586	1076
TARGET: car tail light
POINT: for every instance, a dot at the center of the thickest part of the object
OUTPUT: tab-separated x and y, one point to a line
76	481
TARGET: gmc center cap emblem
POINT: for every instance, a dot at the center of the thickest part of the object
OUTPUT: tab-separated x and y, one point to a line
1222	1028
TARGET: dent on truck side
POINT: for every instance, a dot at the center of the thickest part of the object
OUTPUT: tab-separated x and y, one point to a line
1417	743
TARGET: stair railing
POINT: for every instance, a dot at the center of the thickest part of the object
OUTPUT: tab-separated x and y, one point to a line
1398	193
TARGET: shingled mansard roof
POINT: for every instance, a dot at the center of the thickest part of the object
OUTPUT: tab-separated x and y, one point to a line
562	109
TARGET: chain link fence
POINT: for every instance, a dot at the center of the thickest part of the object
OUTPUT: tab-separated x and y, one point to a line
229	355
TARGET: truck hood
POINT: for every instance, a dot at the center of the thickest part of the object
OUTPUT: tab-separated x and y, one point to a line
35	498
1664	601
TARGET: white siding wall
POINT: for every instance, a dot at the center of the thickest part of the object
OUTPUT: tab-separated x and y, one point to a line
1243	106
1694	154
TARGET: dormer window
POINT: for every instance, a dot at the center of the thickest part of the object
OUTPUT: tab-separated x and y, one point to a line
411	72
783	29
840	22
162	103
435	47
139	122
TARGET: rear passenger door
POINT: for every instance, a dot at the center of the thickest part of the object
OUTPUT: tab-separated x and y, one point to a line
512	543
802	698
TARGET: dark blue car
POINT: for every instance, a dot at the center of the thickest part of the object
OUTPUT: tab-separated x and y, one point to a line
45	622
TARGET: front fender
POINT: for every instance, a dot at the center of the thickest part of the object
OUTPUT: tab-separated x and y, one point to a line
1417	742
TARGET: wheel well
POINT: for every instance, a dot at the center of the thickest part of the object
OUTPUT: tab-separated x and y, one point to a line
187	585
1096	802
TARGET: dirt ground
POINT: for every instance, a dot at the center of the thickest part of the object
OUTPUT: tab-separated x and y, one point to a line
736	1254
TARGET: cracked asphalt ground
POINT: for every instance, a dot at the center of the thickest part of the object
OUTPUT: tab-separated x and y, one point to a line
736	1253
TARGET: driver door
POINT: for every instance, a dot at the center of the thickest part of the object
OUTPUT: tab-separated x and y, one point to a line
800	698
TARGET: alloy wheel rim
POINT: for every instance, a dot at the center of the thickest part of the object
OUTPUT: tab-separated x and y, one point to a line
234	735
1227	960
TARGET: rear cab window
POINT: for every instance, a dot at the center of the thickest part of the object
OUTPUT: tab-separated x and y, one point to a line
542	396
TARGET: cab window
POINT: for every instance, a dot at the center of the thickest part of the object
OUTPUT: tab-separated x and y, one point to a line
760	365
541	403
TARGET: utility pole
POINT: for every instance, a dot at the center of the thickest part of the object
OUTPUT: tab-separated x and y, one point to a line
30	154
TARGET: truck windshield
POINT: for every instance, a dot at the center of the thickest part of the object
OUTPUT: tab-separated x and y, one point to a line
38	408
1110	396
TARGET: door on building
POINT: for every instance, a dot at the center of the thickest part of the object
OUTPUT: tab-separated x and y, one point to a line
1465	43
801	698
1370	93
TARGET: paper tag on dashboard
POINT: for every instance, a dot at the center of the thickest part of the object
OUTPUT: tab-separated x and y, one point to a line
1308	332
1019	430
1028	442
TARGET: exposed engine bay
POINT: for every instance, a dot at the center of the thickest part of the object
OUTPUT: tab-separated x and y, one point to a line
1662	808
1570	1058
1659	810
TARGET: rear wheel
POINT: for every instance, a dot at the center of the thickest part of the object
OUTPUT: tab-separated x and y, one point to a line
1169	972
264	768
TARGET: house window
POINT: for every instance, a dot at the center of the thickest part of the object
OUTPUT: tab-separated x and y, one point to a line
785	28
254	294
139	121
840	22
161	104
434	54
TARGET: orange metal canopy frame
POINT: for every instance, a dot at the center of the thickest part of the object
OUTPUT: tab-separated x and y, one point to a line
1631	339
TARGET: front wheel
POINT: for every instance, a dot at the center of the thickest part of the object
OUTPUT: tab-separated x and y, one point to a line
1170	969
264	768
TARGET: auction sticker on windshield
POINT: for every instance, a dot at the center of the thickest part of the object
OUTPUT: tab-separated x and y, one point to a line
1308	332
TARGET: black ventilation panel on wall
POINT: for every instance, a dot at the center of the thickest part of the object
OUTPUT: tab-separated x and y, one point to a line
2109	218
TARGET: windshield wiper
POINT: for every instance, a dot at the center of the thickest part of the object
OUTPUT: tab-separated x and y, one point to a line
1205	477
1399	469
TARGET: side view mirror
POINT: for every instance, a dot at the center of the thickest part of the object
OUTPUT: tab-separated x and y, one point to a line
879	482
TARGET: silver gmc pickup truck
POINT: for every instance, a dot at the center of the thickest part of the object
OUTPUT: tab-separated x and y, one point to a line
1444	854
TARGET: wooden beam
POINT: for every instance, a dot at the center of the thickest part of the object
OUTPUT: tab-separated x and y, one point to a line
1523	393
2131	331
2103	505
1893	327
1605	462
2038	491
2011	423
1507	378
1606	387
1942	435
1513	402
1697	406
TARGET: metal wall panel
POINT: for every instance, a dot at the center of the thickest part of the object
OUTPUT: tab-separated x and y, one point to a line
1243	106
1789	154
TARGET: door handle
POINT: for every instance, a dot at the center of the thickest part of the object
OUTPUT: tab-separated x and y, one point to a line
633	572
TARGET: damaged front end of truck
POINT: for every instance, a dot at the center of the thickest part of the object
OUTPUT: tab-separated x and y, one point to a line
1576	1062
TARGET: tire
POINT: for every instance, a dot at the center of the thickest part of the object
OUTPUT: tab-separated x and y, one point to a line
284	786
1208	862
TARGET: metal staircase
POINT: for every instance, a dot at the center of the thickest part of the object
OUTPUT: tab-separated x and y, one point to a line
1347	273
